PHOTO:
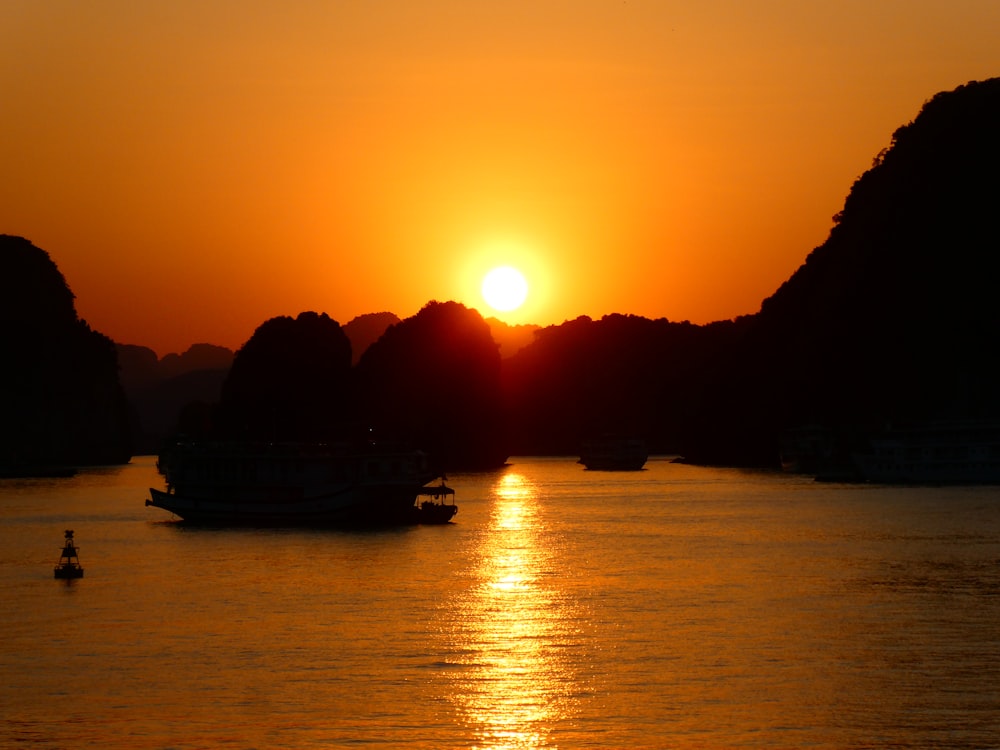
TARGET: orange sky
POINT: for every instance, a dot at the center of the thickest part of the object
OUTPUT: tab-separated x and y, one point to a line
195	168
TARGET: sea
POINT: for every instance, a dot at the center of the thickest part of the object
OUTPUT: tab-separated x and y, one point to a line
673	607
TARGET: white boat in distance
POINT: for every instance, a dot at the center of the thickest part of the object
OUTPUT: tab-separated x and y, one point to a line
299	484
936	453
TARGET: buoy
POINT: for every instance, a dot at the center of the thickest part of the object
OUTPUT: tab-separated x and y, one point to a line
69	563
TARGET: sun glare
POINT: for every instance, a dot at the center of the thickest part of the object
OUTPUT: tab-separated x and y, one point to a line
504	289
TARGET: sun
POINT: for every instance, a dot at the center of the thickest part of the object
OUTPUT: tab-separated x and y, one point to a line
504	288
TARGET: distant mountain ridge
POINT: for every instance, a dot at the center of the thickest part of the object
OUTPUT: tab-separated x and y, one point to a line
159	389
892	319
365	330
511	338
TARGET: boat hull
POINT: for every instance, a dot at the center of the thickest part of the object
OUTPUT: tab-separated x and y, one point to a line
435	513
295	484
362	506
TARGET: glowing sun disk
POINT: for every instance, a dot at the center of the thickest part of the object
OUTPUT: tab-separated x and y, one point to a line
504	288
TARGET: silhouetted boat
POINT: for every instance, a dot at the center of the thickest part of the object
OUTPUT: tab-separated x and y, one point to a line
278	484
614	454
69	562
439	507
935	453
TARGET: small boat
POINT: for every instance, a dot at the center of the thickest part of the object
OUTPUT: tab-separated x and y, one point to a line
612	453
69	563
439	508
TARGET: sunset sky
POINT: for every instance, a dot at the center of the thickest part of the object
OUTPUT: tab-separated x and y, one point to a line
195	168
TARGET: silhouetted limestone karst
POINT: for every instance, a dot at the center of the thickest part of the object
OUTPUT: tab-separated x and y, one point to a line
511	338
198	357
623	374
434	380
177	393
60	397
906	282
894	317
290	381
139	368
365	330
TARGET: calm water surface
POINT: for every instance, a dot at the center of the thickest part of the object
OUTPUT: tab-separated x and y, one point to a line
677	607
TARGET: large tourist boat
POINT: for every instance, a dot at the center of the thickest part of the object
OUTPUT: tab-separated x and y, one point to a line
300	484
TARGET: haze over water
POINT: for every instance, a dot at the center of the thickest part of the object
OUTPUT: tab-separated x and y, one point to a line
674	607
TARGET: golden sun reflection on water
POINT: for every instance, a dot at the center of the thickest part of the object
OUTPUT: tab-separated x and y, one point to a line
515	630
